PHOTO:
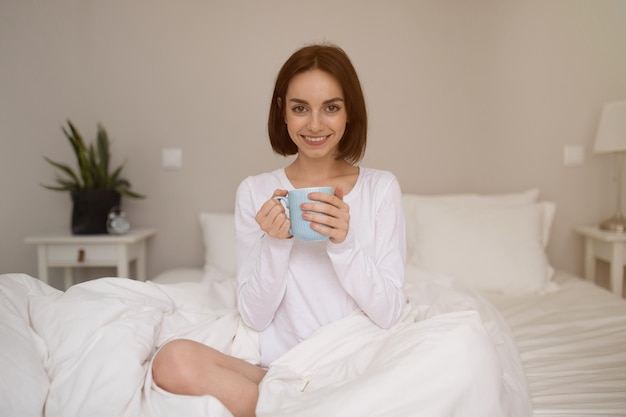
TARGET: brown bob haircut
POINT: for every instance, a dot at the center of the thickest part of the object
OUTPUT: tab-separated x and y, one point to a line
334	61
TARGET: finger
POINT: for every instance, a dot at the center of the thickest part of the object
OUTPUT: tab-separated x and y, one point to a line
279	193
339	192
273	203
331	206
285	225
336	234
267	216
322	202
277	215
325	220
267	208
323	197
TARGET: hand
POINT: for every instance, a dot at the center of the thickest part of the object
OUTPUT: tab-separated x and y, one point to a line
331	217
272	219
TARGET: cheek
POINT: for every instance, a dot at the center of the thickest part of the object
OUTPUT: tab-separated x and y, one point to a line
342	127
292	130
294	124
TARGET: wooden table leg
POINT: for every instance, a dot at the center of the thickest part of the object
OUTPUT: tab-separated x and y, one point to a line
42	263
123	269
617	268
590	259
140	262
68	277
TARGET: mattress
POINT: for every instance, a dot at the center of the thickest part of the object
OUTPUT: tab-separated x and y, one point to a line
572	342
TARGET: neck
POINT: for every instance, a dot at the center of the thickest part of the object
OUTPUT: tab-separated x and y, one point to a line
307	172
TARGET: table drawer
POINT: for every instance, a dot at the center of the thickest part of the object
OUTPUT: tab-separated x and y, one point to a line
82	254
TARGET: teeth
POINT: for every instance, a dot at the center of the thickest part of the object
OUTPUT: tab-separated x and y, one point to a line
317	139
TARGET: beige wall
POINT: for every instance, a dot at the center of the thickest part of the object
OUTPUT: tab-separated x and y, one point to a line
463	96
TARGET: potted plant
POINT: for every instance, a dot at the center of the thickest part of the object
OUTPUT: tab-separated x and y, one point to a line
94	188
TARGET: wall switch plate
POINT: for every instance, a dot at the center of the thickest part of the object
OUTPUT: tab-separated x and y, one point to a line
573	155
172	158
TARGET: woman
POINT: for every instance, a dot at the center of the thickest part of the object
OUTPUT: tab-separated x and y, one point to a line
288	288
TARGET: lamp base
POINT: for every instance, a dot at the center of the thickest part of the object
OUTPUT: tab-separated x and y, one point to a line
616	224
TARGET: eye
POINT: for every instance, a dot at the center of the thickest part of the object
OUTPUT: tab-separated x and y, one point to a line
298	109
333	108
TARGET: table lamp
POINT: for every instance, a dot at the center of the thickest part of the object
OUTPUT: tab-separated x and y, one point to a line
611	137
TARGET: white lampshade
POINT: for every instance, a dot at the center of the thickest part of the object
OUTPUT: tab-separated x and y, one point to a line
611	136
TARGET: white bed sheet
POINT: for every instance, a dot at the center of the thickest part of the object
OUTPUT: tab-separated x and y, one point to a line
573	347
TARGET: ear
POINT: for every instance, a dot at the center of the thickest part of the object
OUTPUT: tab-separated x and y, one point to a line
279	103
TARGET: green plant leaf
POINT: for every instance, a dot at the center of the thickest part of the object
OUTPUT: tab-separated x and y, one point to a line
115	176
66	169
80	151
131	194
104	156
68	185
51	187
64	185
93	165
97	175
74	138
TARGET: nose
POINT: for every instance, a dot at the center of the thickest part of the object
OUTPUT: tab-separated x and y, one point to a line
315	122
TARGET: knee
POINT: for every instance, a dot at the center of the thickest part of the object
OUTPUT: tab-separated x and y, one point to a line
168	365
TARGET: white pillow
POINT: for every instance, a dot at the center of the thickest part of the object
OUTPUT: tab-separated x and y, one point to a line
549	211
220	242
494	243
411	203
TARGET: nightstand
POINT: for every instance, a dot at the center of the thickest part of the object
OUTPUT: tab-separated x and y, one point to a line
607	246
88	251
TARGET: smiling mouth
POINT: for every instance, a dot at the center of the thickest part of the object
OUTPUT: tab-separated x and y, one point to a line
315	139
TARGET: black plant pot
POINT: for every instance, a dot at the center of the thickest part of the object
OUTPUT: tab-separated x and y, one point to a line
90	210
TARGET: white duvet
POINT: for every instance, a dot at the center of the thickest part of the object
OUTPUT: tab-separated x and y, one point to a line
87	352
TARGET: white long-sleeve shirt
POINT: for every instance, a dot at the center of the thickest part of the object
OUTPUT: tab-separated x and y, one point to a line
288	288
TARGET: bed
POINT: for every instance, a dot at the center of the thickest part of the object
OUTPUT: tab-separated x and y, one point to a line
489	329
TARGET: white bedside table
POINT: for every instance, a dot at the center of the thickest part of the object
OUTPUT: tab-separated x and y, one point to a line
607	246
68	251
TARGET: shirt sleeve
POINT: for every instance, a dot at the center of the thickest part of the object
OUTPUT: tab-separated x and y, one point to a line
262	262
375	281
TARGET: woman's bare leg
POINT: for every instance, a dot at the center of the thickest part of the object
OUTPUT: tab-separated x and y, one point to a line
189	368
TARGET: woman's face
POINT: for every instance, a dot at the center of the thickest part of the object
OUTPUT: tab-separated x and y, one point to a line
315	113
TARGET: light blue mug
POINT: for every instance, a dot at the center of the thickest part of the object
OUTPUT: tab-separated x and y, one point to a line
300	228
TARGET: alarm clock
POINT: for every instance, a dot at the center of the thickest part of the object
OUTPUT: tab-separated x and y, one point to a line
117	224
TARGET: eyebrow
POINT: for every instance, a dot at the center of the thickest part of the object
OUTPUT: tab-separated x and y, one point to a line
329	101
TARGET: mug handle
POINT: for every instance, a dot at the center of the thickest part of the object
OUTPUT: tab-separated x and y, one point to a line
285	202
281	198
